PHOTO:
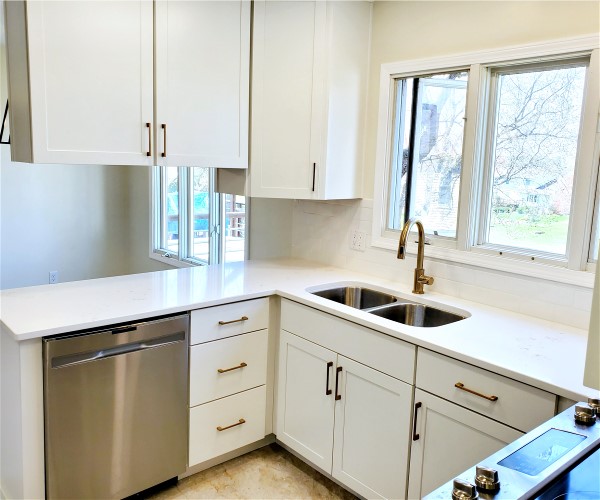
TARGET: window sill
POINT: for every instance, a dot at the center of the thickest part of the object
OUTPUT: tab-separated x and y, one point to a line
171	261
506	264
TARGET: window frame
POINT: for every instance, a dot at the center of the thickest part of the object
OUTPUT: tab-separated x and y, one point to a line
464	249
216	219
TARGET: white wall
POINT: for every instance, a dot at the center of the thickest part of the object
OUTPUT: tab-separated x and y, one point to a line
419	29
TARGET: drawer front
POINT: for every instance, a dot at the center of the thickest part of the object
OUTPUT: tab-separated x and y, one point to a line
242	362
519	405
382	352
207	441
219	322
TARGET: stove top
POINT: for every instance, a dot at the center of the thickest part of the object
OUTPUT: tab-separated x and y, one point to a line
582	482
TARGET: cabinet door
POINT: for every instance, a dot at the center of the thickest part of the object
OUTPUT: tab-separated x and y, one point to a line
450	440
91	81
202	82
287	93
304	409
372	426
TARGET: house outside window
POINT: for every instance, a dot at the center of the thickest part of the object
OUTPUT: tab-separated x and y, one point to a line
192	223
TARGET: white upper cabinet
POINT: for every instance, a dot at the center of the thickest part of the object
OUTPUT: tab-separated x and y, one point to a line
309	79
202	82
84	89
80	81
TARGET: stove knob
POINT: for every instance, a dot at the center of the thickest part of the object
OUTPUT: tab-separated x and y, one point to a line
585	415
462	490
486	479
595	404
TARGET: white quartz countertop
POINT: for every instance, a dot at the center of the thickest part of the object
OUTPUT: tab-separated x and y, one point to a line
547	355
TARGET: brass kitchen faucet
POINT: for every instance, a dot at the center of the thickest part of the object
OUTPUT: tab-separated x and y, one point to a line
420	277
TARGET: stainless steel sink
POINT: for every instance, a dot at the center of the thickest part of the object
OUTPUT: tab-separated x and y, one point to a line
385	305
417	315
357	297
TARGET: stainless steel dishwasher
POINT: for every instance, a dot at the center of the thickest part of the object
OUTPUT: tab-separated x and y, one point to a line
116	408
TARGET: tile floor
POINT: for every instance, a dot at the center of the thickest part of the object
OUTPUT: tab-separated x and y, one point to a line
270	472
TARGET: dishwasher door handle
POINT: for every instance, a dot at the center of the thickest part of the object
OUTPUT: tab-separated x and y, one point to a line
83	357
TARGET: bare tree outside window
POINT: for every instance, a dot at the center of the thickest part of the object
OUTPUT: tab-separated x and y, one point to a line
537	115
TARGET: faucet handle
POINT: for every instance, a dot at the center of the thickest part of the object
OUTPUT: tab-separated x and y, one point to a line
425	280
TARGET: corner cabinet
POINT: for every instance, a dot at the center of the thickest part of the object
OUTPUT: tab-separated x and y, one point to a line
84	87
349	419
309	81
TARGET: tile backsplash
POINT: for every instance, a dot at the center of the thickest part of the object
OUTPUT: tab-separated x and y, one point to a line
321	231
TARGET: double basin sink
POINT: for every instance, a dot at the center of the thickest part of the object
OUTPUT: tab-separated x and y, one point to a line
388	306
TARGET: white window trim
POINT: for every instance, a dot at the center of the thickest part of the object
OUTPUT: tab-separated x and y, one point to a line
460	250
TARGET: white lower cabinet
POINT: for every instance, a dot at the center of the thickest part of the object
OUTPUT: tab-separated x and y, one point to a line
226	424
448	439
228	378
348	419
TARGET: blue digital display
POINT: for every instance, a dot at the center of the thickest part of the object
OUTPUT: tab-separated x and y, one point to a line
542	452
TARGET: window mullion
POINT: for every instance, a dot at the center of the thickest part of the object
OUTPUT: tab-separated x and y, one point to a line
468	207
182	235
586	172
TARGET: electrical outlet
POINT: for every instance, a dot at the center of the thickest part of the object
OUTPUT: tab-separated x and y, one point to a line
53	277
357	240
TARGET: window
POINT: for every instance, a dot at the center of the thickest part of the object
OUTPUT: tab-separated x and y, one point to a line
535	118
497	154
428	142
192	222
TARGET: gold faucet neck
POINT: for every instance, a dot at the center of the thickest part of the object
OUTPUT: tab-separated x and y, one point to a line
420	277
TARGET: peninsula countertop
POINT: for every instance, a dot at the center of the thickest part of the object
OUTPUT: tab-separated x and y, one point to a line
537	352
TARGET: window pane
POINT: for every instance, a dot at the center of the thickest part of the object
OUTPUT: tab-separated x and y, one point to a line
428	146
201	206
171	210
235	227
536	132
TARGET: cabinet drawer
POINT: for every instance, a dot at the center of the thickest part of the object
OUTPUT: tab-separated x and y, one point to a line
207	441
372	348
208	384
218	322
519	405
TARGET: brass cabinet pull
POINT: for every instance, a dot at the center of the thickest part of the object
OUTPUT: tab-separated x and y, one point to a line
243	318
327	389
241	365
164	128
415	436
337	380
461	386
239	422
149	126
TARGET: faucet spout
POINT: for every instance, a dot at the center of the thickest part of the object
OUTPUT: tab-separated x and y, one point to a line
420	277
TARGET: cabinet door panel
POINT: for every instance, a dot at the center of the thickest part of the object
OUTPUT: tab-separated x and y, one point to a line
372	424
451	439
304	411
203	61
285	51
91	81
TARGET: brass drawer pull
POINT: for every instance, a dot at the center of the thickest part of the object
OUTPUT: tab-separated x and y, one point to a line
239	422
461	386
241	365
243	318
